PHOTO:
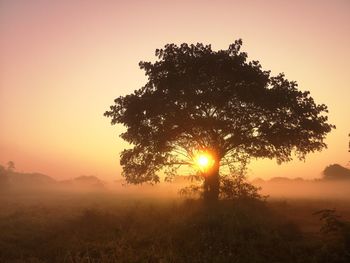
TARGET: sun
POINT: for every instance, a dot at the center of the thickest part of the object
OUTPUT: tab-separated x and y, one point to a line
203	161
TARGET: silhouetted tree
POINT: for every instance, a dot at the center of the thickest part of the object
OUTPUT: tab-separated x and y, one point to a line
10	166
197	99
336	172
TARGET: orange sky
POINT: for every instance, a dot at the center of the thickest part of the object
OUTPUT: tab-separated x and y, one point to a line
63	62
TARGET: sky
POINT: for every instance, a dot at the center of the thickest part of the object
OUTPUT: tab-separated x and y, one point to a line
62	63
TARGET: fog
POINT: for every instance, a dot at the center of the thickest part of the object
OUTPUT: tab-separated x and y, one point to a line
275	188
298	188
87	218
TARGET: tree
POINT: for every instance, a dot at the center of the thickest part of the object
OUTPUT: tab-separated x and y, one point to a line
336	172
216	104
10	166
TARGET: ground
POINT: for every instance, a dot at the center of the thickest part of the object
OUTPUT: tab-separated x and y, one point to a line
101	227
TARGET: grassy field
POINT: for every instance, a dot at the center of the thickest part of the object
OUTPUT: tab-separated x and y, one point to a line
118	228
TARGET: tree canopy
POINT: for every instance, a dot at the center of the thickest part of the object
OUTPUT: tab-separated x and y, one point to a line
198	99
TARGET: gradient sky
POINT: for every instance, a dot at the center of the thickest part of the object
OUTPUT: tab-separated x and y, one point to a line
63	62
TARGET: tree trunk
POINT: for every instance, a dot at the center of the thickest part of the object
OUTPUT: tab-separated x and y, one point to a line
212	184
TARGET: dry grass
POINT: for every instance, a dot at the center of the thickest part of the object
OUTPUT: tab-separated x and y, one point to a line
111	228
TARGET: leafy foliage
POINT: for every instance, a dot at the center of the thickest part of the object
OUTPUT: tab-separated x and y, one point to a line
335	234
233	186
238	188
199	99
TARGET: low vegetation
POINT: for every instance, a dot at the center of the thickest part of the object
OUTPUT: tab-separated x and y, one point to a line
42	220
111	228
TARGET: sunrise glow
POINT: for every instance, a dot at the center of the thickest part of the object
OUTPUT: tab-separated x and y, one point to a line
203	161
63	62
175	131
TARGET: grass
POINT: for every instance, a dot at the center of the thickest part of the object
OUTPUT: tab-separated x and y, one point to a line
110	228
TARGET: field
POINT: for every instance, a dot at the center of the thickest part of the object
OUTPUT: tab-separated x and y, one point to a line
110	227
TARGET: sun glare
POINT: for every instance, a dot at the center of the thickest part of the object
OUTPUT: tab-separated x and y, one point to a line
203	161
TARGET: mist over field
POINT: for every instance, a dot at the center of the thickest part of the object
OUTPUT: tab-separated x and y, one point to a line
296	188
333	183
86	219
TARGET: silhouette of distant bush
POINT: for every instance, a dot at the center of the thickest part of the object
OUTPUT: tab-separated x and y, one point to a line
336	172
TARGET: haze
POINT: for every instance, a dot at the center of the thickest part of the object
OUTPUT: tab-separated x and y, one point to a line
63	62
